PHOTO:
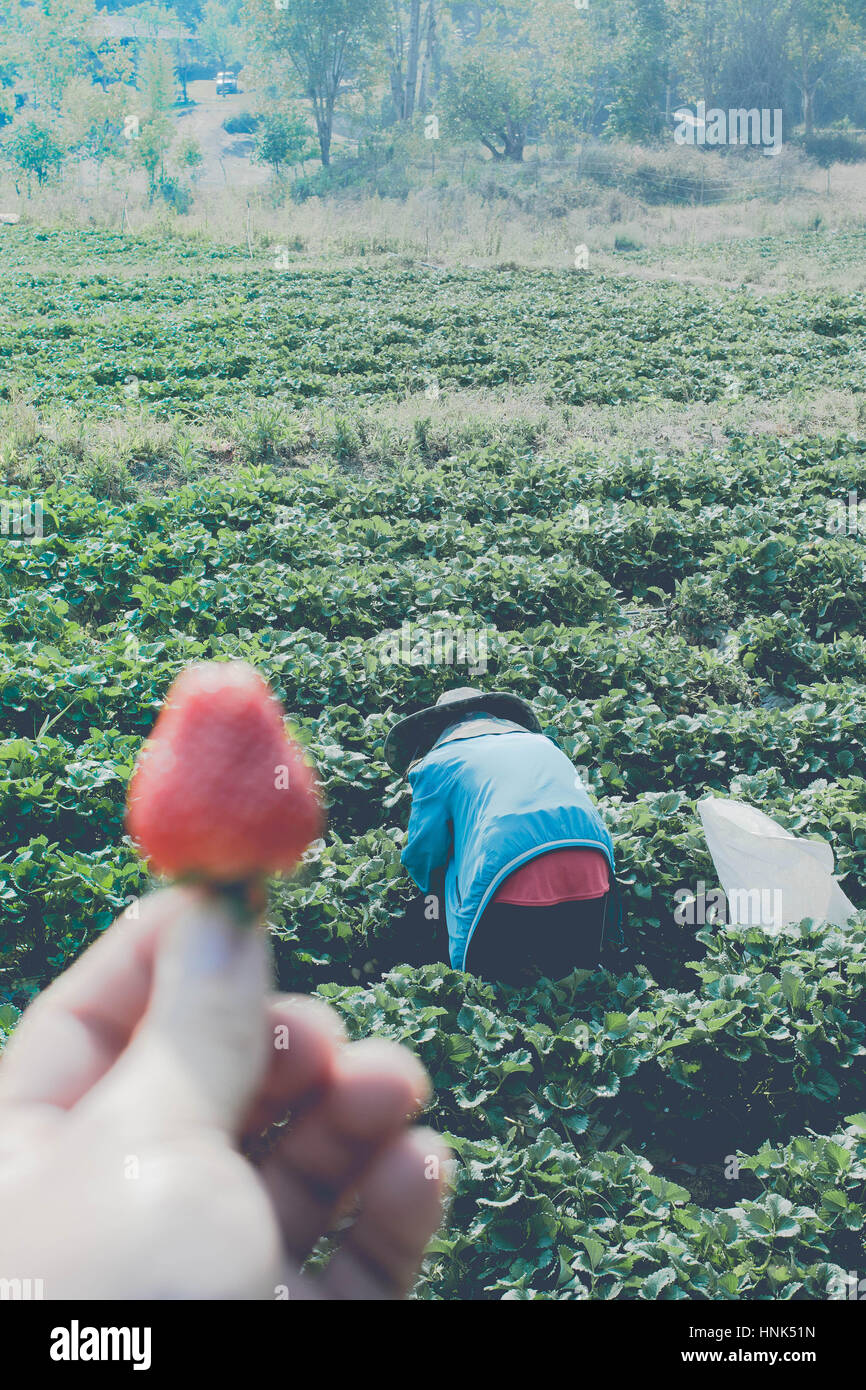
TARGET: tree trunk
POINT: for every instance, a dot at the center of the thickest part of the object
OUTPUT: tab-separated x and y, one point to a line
488	145
398	84
515	141
808	113
435	52
807	88
429	56
412	59
808	108
397	89
323	130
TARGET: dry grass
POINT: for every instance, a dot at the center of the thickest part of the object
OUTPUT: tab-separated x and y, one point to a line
480	215
136	453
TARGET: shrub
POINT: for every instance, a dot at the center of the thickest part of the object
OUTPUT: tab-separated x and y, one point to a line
835	147
243	123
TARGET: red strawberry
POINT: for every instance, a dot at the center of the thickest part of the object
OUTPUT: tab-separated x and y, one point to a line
220	792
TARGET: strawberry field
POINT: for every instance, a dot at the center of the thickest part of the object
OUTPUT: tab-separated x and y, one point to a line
689	1121
208	327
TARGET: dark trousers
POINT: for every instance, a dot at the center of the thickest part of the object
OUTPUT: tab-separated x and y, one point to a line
515	945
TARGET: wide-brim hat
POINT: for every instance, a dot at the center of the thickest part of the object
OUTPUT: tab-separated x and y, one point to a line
415	735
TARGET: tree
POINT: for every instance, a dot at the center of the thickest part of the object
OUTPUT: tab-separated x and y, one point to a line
409	35
430	63
756	53
51	41
95	120
34	150
182	63
7	84
322	41
755	70
150	148
220	31
814	46
703	39
637	111
572	93
189	12
489	96
468	17
156	78
528	66
282	140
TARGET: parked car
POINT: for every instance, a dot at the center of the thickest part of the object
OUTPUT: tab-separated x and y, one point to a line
226	82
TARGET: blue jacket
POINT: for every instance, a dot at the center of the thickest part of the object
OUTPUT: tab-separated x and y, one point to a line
481	807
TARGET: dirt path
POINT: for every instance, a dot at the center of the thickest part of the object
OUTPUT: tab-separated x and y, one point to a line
227	158
653	273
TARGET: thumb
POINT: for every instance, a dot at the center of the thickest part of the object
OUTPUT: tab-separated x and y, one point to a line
200	1050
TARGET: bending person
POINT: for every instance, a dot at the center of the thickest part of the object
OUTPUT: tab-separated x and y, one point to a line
529	865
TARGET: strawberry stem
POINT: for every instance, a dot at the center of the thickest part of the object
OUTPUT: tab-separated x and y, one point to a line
245	898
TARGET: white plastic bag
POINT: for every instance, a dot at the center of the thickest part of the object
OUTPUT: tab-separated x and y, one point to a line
770	877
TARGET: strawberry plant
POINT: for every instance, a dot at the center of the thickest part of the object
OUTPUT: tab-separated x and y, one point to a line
687	1121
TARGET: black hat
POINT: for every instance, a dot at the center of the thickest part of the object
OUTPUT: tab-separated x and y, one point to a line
414	736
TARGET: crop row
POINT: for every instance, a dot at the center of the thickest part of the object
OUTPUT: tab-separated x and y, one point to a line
762	1048
615	1056
218	333
65	875
543	1222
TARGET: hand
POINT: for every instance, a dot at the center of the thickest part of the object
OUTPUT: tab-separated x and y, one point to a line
131	1085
